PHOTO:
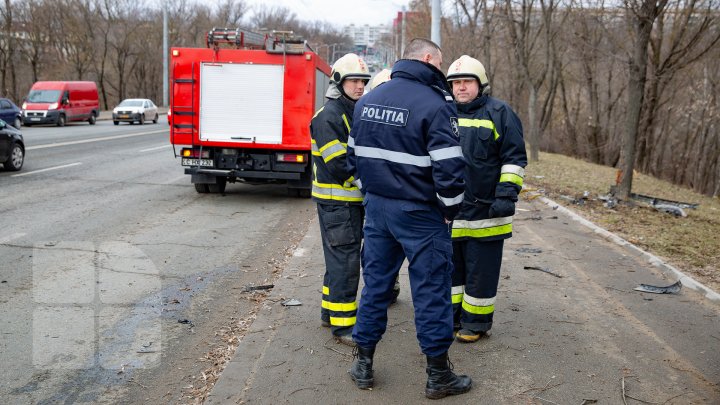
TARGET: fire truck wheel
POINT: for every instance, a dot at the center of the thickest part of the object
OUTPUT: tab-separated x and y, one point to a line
299	192
201	188
219	186
61	121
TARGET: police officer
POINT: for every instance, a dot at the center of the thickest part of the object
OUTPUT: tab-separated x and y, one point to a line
491	137
405	153
339	202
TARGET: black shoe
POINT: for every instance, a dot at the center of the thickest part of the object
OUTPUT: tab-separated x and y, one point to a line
361	370
442	381
324	323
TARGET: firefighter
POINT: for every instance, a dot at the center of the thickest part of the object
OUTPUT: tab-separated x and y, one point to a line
404	149
339	202
491	137
379	78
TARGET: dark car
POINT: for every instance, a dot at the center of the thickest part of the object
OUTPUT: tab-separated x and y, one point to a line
12	147
10	113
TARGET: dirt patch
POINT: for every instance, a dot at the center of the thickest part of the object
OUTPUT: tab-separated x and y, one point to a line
688	243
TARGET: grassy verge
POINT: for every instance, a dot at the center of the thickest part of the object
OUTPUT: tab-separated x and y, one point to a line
691	243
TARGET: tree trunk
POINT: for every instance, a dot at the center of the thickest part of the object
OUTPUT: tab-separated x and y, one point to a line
642	18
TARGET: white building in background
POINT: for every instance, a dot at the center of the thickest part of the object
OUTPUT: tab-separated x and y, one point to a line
368	41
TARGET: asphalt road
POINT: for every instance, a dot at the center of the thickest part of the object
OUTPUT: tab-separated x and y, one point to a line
115	274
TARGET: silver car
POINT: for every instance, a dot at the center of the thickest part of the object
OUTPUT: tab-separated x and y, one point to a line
134	110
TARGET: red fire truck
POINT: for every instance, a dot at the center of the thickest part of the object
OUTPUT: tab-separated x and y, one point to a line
242	113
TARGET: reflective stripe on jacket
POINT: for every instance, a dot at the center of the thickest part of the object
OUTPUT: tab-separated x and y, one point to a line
492	141
404	142
329	130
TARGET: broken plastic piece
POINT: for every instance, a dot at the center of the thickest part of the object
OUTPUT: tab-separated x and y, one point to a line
248	288
292	302
671	289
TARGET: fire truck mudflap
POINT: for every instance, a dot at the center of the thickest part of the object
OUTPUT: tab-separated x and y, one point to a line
243	114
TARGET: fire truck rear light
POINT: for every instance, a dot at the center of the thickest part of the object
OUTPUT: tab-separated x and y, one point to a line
175	52
291	157
195	153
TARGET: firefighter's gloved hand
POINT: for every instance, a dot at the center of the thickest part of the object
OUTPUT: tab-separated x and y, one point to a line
502	207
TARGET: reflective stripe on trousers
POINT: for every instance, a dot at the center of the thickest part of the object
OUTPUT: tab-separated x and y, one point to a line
477	273
341	232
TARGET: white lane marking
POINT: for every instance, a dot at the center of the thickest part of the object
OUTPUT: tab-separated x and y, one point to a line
109	138
6	239
47	169
155	148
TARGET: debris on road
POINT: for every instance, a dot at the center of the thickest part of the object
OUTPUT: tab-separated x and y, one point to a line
543	270
292	302
528	250
671	289
249	288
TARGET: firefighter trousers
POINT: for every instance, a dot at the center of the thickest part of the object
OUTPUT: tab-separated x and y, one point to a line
475	282
341	232
396	229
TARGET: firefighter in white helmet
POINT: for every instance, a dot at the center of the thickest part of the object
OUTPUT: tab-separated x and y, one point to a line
339	201
379	78
491	138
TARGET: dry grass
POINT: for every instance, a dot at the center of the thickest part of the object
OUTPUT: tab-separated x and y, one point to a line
691	243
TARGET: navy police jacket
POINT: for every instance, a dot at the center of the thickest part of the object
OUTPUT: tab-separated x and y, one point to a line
404	142
491	136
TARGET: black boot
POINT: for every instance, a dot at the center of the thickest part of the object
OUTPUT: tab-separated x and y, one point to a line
361	370
442	381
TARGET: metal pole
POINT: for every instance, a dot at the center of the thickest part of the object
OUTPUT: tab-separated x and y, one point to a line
165	55
402	32
435	23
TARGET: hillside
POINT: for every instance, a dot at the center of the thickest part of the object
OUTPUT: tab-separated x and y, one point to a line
691	243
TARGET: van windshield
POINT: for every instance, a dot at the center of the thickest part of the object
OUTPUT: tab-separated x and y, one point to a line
43	96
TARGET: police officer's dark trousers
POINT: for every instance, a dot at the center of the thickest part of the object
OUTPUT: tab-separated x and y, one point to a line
341	232
393	230
477	268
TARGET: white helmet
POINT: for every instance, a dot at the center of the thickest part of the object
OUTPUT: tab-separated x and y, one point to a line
379	78
465	67
350	66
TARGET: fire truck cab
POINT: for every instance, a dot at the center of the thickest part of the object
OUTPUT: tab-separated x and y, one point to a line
243	113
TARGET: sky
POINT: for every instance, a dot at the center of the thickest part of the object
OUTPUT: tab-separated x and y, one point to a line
340	12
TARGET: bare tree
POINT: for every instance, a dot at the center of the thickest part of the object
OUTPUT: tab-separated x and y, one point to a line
641	15
532	38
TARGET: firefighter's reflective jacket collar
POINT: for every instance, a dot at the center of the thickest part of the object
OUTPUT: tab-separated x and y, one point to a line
469	108
420	71
333	91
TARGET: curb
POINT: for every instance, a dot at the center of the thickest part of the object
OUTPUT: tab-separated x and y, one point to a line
666	268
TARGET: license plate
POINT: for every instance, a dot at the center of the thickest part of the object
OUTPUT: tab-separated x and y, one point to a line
197	162
34	119
124	116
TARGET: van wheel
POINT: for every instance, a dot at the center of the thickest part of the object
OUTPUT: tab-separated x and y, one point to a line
201	188
142	119
15	159
116	122
17	123
155	120
92	119
61	121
